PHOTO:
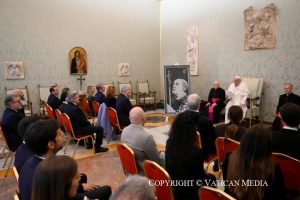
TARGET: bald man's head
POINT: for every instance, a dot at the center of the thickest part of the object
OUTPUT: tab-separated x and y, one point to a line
136	115
193	102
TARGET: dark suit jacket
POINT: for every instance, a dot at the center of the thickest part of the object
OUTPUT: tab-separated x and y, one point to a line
99	97
53	102
111	102
77	117
10	121
287	142
26	177
219	93
22	155
123	107
292	98
207	132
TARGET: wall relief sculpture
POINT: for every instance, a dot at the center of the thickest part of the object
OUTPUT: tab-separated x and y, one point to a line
260	28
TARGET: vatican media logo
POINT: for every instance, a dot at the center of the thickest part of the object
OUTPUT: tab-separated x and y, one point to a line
213	183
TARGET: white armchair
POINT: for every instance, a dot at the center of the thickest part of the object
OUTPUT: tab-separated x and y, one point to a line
255	86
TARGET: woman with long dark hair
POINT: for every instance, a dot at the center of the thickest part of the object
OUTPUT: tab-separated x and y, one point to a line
252	161
184	159
56	178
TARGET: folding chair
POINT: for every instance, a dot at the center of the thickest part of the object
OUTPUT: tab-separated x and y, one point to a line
9	152
96	107
49	110
223	145
209	193
290	168
155	172
127	158
69	130
114	122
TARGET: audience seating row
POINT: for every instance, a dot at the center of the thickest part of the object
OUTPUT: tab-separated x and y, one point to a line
289	167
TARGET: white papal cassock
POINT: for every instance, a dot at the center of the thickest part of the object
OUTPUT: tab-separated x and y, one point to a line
238	96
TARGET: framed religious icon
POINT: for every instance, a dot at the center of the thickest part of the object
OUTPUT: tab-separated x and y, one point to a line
177	88
78	61
14	70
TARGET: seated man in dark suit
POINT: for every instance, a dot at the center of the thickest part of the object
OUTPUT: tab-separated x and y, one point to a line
287	97
53	100
215	103
10	120
123	106
23	152
99	96
287	140
80	124
45	139
204	126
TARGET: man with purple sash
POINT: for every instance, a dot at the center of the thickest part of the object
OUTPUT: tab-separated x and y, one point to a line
215	103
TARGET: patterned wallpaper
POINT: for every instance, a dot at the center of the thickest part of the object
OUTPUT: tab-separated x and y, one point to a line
221	44
41	33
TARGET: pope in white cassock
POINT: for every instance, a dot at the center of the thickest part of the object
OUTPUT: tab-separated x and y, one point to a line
237	94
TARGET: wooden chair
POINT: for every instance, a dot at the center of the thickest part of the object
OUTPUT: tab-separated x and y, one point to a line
144	95
224	146
59	117
69	130
96	107
209	193
290	168
16	173
114	122
133	98
27	104
49	110
9	152
44	92
127	158
155	172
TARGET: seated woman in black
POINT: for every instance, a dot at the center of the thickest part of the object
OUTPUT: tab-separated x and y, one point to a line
110	99
184	160
233	129
252	161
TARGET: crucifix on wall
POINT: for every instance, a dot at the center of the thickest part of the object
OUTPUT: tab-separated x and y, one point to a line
80	79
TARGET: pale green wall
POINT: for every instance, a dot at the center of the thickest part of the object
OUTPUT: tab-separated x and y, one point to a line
221	40
42	32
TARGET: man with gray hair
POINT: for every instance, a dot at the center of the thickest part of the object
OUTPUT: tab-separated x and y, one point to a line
10	120
80	124
135	187
204	126
123	105
141	142
99	96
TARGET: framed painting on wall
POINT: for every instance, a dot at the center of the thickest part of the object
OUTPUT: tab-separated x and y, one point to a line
177	88
123	69
14	70
78	61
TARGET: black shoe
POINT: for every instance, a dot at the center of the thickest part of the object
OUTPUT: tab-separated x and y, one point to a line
101	149
88	146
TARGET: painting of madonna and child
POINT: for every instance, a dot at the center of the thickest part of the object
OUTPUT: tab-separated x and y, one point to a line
78	61
177	88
